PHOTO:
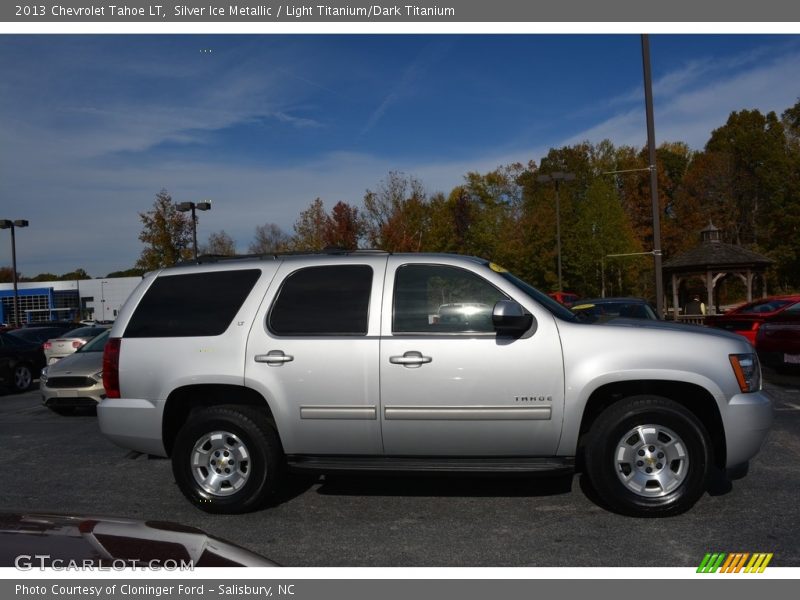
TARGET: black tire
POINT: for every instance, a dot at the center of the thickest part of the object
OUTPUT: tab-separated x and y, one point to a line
617	457
22	378
250	444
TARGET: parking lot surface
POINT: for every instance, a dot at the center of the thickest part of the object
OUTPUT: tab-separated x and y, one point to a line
62	464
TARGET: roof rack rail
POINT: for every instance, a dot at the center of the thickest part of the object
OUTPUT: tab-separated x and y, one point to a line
330	250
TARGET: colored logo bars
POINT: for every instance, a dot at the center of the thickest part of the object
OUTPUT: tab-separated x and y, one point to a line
735	562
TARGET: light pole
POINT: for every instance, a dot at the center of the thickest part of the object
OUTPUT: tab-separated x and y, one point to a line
8	224
192	206
557	177
651	149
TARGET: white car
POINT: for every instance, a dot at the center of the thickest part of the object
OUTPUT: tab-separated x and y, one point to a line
57	348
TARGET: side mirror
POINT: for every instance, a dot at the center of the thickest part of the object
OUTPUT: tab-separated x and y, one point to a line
509	317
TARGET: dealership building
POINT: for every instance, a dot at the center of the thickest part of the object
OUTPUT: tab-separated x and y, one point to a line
74	300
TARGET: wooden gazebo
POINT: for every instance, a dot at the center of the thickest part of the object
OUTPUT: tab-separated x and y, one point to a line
713	259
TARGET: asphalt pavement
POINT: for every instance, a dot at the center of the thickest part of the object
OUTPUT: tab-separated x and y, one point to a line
62	464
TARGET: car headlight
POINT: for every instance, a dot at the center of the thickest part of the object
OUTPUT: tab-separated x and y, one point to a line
98	376
747	371
43	376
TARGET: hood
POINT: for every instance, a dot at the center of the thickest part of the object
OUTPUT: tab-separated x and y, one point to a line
80	363
669	326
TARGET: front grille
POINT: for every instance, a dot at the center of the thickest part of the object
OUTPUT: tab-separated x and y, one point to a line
70	382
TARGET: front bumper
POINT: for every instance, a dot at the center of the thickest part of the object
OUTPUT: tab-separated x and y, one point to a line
747	420
132	424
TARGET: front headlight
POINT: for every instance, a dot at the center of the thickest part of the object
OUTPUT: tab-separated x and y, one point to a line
98	376
43	376
747	371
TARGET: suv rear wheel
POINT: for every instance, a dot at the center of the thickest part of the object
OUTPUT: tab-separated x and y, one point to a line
648	456
228	459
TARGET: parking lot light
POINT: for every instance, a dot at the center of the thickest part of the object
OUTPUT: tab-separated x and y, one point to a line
192	206
557	177
12	225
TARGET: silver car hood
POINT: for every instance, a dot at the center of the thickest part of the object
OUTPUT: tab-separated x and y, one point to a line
80	363
669	326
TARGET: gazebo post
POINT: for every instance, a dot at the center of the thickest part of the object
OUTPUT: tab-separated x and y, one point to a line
675	309
709	290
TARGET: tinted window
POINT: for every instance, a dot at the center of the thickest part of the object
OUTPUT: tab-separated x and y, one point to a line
323	301
198	304
442	299
84	332
98	344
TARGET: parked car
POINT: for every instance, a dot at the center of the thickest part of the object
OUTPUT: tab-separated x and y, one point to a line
20	362
39	335
75	381
565	298
67	343
34	541
331	362
596	310
748	318
778	339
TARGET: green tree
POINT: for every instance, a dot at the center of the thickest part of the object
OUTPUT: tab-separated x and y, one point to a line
309	229
166	233
73	275
134	272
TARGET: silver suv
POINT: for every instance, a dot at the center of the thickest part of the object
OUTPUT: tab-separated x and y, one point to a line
238	369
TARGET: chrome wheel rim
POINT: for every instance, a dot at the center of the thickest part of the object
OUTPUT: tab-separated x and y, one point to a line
220	463
651	460
22	378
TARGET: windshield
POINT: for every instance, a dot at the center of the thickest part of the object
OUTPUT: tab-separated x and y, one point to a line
559	310
97	344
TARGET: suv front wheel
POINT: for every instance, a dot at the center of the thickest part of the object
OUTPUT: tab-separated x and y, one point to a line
227	459
648	456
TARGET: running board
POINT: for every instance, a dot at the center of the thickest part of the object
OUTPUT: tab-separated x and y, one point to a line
412	464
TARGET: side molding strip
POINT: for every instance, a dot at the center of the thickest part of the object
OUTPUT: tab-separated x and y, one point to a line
467	413
363	413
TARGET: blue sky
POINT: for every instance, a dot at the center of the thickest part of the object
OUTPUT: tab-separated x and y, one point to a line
92	127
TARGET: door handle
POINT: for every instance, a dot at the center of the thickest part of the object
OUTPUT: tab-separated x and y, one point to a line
411	359
274	358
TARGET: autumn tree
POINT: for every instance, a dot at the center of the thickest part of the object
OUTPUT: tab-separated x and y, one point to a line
344	227
397	215
7	275
166	233
269	239
219	244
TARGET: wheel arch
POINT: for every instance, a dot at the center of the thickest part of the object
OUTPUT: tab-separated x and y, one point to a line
693	397
184	400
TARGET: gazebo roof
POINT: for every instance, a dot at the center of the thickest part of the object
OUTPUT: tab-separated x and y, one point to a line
712	254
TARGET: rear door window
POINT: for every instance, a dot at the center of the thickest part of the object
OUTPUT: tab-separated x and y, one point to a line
319	301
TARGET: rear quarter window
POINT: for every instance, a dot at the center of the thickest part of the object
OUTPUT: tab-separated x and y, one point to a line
191	305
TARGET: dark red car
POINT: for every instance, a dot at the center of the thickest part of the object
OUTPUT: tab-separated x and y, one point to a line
747	319
778	340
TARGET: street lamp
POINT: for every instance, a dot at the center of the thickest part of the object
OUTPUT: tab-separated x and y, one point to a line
557	177
8	224
192	206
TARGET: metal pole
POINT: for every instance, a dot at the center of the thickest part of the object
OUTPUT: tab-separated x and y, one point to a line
651	146
14	276
558	234
194	231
